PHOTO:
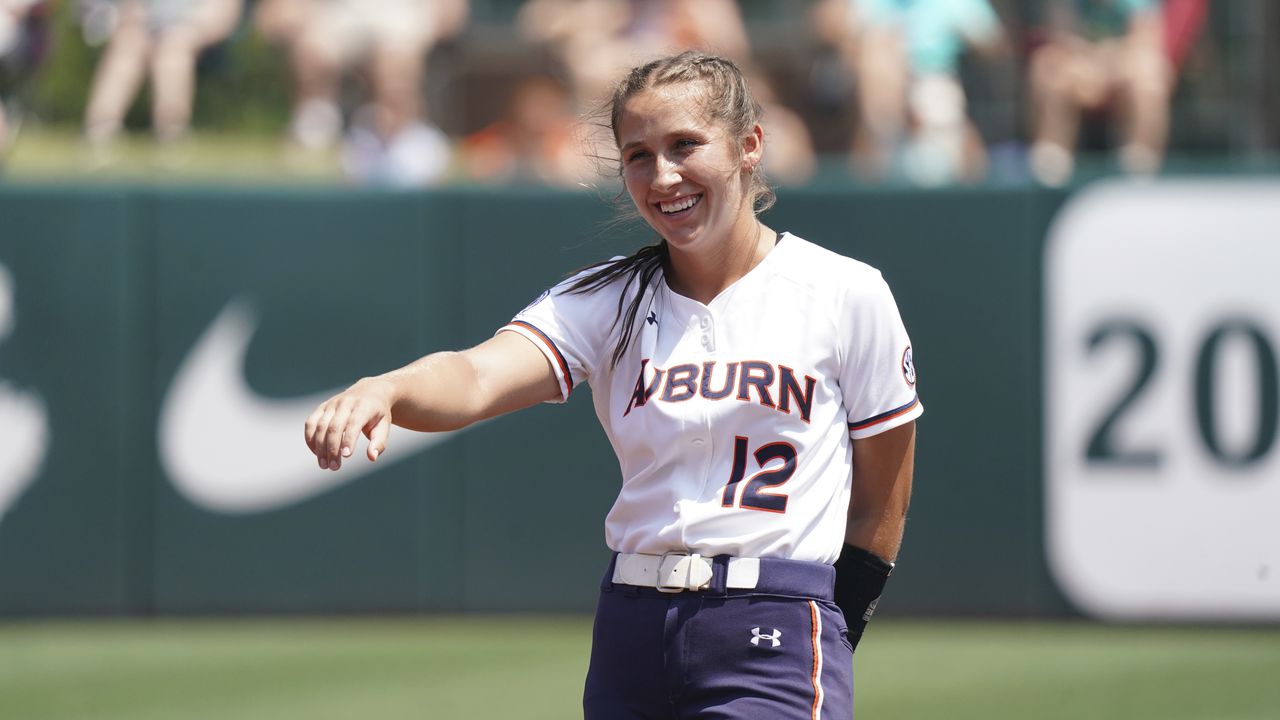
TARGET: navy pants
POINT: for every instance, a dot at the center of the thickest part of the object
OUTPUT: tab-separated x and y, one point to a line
779	651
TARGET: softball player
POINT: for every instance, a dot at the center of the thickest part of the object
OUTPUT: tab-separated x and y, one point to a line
750	382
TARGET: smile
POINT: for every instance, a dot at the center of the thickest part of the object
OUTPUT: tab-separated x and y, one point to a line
680	205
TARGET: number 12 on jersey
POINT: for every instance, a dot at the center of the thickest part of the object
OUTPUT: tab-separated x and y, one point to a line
754	495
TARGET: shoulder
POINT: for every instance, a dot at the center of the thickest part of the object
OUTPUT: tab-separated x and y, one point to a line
580	282
826	272
609	274
592	296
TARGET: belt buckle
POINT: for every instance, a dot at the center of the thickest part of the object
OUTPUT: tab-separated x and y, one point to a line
681	571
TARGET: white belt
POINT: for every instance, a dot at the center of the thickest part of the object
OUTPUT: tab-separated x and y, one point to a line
676	572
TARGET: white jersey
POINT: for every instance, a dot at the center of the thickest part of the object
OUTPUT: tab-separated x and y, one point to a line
733	421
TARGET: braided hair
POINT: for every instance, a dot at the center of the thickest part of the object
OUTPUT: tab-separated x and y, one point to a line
726	99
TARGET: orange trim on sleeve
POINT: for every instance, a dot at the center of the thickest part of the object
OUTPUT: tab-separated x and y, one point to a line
884	417
555	351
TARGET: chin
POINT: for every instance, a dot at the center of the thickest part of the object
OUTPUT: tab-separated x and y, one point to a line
682	238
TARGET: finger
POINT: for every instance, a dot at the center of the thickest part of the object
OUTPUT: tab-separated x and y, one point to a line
378	436
351	429
323	427
310	427
319	422
333	435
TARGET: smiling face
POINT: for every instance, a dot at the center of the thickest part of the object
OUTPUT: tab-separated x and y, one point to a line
688	175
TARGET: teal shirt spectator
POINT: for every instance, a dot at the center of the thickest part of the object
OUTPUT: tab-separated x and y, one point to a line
936	31
1101	19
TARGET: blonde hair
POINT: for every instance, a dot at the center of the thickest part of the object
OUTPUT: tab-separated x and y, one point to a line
727	99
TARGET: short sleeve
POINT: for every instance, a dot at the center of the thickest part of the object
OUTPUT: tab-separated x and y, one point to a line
877	372
572	329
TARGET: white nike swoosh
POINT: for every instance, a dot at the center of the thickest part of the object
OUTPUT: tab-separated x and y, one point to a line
229	450
23	417
26	425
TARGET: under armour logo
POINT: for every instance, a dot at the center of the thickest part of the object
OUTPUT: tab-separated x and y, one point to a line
757	636
652	319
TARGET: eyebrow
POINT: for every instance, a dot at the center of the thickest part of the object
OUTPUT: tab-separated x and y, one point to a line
682	132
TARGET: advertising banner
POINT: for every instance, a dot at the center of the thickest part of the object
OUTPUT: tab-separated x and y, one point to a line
1100	381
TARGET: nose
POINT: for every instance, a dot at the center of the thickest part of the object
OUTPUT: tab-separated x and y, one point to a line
666	173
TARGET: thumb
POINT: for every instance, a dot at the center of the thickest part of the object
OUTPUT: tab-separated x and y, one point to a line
378	437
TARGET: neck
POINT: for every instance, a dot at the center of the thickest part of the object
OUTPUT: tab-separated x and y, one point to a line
703	277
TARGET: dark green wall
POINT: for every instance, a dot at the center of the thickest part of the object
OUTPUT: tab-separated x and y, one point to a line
112	288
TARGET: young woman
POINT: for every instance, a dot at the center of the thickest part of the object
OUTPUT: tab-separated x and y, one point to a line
759	393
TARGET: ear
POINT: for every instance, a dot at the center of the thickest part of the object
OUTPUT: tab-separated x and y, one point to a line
753	148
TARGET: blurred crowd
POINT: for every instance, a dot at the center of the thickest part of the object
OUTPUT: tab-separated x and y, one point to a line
903	67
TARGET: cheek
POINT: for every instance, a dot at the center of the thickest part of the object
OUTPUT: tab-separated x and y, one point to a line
637	183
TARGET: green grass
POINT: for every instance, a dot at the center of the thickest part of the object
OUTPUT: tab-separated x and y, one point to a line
1068	671
530	668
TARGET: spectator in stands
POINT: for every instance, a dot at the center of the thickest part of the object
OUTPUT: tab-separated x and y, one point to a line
914	121
535	140
390	140
17	52
162	39
1100	55
597	40
791	159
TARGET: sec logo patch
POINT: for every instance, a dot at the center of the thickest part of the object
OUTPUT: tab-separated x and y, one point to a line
908	367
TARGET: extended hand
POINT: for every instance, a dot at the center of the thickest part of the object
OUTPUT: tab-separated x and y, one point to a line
331	430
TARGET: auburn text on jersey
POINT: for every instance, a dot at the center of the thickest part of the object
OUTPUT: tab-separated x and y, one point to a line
774	386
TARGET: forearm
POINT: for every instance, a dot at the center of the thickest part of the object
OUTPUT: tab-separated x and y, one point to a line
882	470
442	391
450	390
878	532
882	475
435	393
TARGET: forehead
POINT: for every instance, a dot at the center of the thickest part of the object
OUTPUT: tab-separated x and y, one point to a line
662	110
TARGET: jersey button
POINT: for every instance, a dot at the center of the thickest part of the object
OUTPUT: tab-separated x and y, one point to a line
699	442
705	323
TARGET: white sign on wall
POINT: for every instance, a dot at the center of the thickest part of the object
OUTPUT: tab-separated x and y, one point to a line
1162	445
23	418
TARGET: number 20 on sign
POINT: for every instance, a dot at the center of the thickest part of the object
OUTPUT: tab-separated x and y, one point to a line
1162	400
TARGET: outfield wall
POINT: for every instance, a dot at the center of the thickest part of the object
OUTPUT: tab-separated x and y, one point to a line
161	346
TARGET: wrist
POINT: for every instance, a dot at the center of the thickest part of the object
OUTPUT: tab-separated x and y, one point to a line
860	579
379	386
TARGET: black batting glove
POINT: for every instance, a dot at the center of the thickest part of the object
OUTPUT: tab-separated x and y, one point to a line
860	579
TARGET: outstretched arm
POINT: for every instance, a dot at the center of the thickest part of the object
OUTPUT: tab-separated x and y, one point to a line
442	391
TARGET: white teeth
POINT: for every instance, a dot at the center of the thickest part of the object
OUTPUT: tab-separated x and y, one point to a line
676	206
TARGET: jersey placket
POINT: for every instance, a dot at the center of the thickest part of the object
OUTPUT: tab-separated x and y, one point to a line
705	322
699	346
